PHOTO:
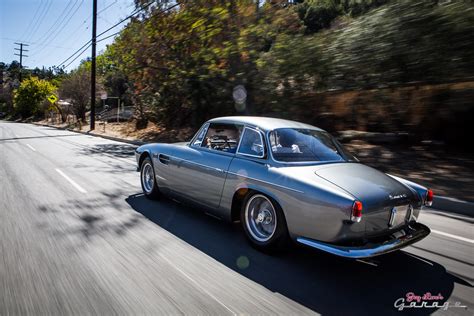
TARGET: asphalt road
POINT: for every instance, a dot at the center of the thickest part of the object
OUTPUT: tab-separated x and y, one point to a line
78	237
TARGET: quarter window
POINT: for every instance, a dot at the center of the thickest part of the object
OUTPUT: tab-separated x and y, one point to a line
197	141
251	143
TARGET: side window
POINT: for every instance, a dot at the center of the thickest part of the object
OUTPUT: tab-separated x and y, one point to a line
251	143
197	141
222	137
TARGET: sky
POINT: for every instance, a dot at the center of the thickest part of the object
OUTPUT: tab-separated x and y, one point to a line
55	29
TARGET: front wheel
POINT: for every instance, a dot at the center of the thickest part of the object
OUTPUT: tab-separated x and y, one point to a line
264	222
148	180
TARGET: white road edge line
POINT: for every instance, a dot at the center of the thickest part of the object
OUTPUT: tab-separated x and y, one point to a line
453	236
31	147
74	184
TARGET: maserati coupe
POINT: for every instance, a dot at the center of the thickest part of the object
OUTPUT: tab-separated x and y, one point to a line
287	181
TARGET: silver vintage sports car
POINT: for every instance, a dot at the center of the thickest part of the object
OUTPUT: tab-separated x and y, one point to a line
285	181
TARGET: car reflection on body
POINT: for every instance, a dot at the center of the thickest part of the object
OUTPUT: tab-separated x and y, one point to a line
284	181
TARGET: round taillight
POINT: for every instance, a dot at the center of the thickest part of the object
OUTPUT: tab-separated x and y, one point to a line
356	215
429	198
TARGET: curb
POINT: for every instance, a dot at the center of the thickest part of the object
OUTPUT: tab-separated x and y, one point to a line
117	139
440	203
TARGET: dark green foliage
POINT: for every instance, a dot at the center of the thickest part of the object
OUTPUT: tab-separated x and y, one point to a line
402	42
358	7
318	14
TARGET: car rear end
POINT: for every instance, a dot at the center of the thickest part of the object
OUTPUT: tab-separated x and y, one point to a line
382	217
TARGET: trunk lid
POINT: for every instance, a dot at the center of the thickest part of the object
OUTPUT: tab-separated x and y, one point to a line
379	194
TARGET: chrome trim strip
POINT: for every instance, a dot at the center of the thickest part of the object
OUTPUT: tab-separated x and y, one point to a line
213	151
174	157
202	165
266	182
195	163
418	231
160	177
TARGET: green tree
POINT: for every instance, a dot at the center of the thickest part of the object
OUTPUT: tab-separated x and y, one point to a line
113	79
30	95
76	88
184	63
318	14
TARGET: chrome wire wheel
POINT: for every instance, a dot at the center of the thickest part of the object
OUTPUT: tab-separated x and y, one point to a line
260	218
148	178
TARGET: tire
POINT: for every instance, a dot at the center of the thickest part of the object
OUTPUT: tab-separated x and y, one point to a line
257	215
148	180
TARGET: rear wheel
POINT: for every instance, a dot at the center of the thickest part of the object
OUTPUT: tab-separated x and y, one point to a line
264	222
148	180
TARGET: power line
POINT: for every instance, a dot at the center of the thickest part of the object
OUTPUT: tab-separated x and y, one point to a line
103	39
53	26
73	33
27	29
39	22
32	43
79	55
56	26
75	54
134	12
103	9
61	25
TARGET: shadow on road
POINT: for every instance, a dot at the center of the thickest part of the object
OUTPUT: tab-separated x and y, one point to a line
81	222
319	281
116	150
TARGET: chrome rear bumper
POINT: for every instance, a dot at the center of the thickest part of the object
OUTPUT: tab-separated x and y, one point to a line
407	236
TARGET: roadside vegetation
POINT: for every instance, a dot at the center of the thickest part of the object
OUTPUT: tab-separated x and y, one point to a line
373	65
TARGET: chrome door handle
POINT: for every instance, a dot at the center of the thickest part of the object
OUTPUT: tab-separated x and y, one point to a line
164	159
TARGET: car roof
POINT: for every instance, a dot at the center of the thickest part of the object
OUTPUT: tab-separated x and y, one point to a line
264	123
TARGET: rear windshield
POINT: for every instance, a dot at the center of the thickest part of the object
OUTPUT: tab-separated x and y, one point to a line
305	145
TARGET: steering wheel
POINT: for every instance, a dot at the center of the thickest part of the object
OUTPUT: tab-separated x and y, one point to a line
227	144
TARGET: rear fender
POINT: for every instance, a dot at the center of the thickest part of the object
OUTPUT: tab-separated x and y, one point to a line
260	189
418	189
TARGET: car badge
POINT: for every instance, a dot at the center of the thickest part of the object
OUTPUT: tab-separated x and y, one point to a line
399	196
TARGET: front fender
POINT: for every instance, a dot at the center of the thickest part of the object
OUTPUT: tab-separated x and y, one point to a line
139	152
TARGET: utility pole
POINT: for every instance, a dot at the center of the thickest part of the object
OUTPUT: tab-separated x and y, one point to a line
21	55
93	65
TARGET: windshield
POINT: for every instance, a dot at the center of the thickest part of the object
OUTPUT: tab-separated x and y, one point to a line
305	145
